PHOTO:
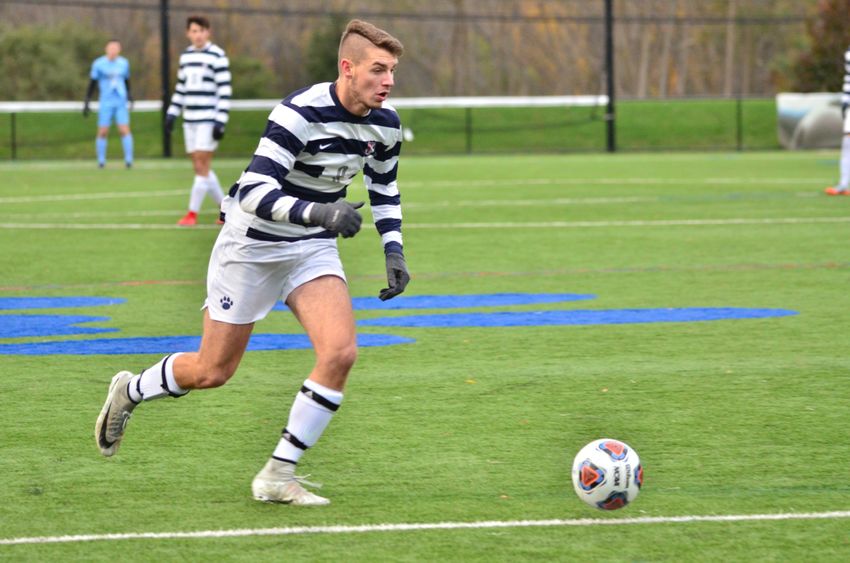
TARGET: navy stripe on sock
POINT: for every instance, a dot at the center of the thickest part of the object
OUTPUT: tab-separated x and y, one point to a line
292	439
284	460
331	406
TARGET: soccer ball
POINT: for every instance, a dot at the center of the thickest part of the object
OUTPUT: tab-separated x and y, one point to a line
607	474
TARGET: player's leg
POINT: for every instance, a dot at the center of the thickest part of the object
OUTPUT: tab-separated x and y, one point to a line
843	187
201	160
323	307
222	347
122	119
104	118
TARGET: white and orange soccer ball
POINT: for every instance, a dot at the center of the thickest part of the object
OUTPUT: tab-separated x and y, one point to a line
607	474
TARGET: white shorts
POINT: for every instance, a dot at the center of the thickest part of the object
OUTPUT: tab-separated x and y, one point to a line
198	137
246	277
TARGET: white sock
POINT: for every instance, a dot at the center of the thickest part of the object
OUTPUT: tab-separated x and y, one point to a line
844	182
312	410
214	188
156	382
199	190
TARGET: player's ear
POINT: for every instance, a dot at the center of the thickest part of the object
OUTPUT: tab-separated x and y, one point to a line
345	67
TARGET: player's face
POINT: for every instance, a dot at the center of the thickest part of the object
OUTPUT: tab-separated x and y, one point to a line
198	35
372	78
113	49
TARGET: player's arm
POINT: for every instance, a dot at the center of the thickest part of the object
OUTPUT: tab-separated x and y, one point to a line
176	105
259	191
380	176
129	94
89	94
224	91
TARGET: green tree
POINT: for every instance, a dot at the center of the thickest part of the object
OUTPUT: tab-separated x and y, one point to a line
47	64
322	50
252	79
821	67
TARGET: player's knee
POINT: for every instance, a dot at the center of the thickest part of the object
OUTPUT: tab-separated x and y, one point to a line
214	376
342	358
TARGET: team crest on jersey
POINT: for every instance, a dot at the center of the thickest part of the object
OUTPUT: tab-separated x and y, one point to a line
370	148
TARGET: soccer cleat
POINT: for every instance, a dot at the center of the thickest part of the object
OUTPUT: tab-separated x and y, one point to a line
277	482
114	415
836	191
128	165
189	220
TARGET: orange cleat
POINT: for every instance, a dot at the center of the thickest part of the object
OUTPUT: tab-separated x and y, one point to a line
189	220
836	191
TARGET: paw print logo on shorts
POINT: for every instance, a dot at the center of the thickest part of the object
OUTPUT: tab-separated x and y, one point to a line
226	303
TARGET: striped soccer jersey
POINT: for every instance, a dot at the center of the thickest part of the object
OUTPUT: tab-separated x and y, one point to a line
203	85
845	96
311	150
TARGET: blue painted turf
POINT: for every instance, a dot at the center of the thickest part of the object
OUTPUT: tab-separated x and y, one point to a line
11	303
549	318
168	344
17	326
460	301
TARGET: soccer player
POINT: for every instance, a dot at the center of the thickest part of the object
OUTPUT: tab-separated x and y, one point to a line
203	95
111	75
279	241
843	187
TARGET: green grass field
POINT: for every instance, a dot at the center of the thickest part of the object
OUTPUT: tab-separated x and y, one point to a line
641	125
466	424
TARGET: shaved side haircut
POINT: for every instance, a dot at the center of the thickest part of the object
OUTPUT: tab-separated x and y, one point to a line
359	34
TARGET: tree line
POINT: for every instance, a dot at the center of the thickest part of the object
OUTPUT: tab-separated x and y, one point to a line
663	48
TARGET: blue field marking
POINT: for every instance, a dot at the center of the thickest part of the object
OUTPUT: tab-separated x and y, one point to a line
168	344
18	326
460	301
554	318
24	303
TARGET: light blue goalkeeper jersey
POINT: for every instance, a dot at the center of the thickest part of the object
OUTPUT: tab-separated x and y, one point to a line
111	77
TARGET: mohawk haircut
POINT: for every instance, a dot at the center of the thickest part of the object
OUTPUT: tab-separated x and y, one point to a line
374	35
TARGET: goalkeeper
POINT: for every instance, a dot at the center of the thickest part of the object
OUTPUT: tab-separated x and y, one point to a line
279	241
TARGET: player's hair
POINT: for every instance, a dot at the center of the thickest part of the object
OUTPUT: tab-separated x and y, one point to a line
113	40
374	35
200	20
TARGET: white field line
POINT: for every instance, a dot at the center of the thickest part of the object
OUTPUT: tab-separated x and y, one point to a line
92	196
494	225
412	527
502	182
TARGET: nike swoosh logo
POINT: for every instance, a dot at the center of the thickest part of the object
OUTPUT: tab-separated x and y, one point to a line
106	443
323	147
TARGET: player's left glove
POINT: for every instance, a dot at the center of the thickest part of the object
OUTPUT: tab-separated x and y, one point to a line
397	276
844	110
86	108
218	131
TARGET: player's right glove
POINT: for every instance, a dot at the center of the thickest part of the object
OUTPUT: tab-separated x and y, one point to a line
397	276
86	107
218	131
169	123
844	110
338	217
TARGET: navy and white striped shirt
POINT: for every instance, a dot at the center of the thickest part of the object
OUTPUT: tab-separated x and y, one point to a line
311	150
845	91
203	88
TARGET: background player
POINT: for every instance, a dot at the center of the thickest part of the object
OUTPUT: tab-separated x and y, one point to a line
279	242
843	187
203	94
110	73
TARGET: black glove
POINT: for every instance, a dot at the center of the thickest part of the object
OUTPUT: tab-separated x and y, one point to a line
844	110
86	107
169	123
338	217
218	130
397	276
